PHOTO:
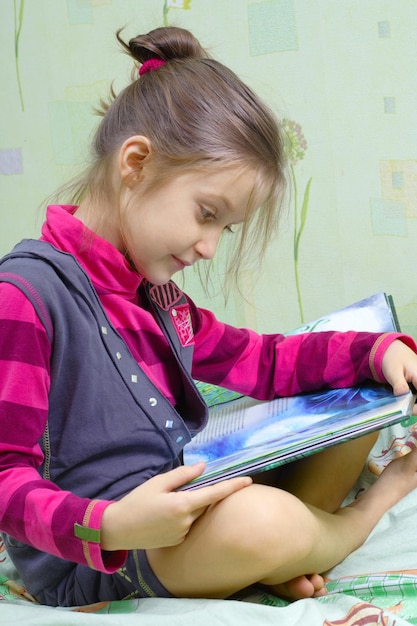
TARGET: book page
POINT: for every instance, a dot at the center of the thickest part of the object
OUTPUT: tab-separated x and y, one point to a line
241	414
246	428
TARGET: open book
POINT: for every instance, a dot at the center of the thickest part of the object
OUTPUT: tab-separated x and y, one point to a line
245	436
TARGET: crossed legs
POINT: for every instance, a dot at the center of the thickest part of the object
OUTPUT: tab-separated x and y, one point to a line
267	535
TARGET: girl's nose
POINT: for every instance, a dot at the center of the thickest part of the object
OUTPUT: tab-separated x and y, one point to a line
207	245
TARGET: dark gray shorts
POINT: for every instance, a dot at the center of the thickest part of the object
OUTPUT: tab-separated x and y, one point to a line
83	585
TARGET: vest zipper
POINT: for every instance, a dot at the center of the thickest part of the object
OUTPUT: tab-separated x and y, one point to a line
47	453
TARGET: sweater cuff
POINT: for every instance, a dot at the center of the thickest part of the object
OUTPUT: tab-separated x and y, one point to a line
380	347
89	534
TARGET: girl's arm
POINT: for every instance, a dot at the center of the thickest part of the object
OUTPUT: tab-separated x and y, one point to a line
265	366
34	510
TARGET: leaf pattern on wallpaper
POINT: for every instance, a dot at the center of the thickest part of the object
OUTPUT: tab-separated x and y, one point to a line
174	4
295	146
18	22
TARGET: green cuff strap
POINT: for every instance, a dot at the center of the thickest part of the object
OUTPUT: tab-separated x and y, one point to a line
87	534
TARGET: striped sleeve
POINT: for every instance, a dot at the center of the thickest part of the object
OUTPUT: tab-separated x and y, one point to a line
266	366
33	510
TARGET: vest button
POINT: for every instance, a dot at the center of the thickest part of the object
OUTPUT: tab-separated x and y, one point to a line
153	401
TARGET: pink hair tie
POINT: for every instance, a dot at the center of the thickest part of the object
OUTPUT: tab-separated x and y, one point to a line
150	65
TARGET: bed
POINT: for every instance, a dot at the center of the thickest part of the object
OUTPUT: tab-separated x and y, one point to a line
376	585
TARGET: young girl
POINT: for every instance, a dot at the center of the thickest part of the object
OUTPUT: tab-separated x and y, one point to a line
99	350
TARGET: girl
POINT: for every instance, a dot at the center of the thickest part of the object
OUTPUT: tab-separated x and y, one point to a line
99	350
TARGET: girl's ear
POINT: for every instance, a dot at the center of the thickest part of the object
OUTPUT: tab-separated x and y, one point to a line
132	156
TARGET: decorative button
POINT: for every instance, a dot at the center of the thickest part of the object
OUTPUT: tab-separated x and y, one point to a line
104	330
179	439
119	356
174	313
134	378
169	424
153	401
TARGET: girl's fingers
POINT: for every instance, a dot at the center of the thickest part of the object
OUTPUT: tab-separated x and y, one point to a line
180	476
399	385
399	366
206	496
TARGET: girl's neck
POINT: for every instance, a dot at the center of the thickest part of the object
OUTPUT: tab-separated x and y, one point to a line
101	220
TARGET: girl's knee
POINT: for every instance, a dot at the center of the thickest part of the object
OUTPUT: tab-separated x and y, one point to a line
266	522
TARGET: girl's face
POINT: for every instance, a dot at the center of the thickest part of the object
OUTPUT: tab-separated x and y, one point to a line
180	222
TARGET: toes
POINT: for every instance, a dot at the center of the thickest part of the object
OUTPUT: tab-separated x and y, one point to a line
316	580
311	586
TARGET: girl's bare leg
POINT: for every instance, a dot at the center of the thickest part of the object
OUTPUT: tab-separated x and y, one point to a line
268	536
325	479
322	480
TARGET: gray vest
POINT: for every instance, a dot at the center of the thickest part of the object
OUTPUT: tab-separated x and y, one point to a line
109	427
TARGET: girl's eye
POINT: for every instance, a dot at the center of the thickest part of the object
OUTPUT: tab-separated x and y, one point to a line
210	216
207	215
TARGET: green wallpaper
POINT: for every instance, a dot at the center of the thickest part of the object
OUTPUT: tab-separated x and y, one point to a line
340	74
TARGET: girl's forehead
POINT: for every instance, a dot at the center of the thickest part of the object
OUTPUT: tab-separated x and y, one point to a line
227	186
228	179
231	187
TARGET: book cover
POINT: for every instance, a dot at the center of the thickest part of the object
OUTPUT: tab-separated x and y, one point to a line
375	313
247	436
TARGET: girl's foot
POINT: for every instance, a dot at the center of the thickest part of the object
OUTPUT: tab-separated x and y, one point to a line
395	482
310	586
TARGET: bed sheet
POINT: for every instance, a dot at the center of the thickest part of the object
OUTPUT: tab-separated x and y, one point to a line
376	585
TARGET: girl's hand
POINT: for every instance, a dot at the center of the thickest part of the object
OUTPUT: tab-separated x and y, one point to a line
154	515
399	366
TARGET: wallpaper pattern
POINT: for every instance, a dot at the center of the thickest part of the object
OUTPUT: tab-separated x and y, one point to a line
341	76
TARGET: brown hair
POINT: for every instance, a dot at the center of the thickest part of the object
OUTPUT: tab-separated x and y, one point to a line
195	112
